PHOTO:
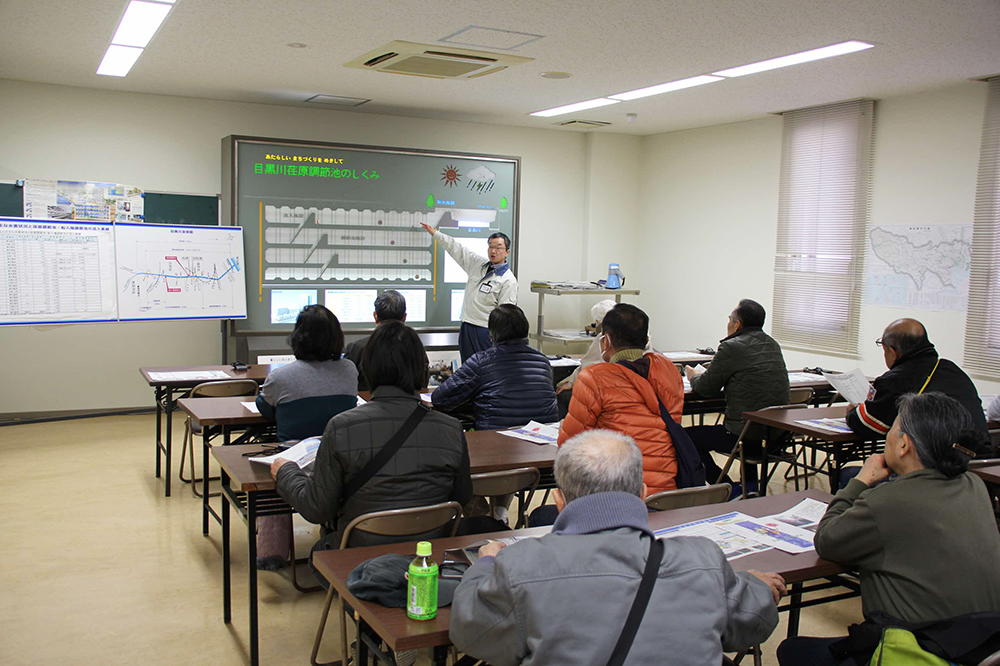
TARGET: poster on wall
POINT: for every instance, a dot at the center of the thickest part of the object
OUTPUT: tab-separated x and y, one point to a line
82	201
923	267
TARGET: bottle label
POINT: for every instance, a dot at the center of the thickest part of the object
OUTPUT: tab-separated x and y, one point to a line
423	592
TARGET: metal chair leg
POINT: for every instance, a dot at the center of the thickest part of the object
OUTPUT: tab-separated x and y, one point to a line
194	484
294	562
322	628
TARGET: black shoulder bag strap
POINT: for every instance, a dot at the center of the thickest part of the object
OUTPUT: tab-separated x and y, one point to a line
638	609
379	460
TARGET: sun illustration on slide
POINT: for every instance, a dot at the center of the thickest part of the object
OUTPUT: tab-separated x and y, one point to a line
451	176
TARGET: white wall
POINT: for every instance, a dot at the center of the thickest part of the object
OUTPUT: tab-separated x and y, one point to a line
709	215
174	144
709	211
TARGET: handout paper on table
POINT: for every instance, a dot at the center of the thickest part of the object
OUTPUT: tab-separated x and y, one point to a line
838	426
361	401
800	378
680	356
426	397
188	376
806	514
853	385
733	545
301	454
564	362
252	406
774	533
536	432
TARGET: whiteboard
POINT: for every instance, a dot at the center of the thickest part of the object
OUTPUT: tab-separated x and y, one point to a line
180	272
56	272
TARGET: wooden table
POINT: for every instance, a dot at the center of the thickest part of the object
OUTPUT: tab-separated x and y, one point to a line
222	416
249	488
164	392
989	473
400	633
840	447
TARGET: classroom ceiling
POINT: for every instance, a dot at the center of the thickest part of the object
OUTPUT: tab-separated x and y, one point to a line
238	50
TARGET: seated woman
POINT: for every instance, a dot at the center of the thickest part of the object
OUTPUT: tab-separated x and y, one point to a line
925	543
302	397
305	394
431	467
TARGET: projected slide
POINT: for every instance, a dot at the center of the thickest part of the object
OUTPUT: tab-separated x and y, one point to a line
457	299
55	271
352	306
286	304
172	272
416	305
452	271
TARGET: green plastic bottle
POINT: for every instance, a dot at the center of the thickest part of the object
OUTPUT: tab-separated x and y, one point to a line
422	585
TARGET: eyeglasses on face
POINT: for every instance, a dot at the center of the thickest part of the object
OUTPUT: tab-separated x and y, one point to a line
879	342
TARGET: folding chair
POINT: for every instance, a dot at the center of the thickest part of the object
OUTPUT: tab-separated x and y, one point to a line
799	398
400	523
683	498
224	389
496	486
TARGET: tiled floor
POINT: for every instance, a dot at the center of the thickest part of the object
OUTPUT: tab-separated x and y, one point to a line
97	567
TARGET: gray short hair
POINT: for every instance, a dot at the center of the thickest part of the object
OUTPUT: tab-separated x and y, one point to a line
598	461
390	304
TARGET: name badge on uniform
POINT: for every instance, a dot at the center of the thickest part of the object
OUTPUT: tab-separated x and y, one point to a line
486	288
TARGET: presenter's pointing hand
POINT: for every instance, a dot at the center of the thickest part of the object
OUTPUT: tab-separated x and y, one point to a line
428	228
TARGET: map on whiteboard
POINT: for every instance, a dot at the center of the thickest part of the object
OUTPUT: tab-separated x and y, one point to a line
920	267
167	272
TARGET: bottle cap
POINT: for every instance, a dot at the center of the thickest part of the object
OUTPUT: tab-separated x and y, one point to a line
424	549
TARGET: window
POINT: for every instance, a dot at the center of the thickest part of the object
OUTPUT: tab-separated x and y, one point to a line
823	201
982	340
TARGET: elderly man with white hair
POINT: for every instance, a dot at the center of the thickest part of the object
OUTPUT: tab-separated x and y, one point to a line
564	598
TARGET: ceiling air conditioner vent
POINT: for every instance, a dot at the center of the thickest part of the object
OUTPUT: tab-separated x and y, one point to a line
433	62
582	123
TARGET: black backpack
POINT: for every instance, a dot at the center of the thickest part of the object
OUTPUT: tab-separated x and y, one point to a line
690	468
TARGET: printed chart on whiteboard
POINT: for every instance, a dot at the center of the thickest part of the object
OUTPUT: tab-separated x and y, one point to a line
54	271
169	272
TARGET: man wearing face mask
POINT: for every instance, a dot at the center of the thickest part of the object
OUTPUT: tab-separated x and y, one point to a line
491	283
624	394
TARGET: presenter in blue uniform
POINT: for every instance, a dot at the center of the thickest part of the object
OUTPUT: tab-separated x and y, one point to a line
491	283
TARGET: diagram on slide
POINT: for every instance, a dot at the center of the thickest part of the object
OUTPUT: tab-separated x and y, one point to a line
326	245
177	272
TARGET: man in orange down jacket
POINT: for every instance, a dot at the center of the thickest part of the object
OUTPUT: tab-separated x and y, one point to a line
624	394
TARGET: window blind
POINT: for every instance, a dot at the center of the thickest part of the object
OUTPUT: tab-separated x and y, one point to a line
823	203
982	321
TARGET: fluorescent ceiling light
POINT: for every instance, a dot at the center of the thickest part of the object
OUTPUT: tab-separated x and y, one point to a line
665	87
579	106
118	60
139	23
796	58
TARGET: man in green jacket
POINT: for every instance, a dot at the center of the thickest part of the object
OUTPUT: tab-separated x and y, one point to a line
751	371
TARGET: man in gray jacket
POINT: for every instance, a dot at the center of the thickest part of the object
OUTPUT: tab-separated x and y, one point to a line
563	598
750	368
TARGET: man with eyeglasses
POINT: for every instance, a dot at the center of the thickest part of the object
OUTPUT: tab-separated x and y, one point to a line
914	367
491	283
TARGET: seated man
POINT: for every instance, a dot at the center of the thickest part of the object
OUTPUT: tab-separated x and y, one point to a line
924	543
625	394
390	305
563	598
508	384
914	367
751	369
